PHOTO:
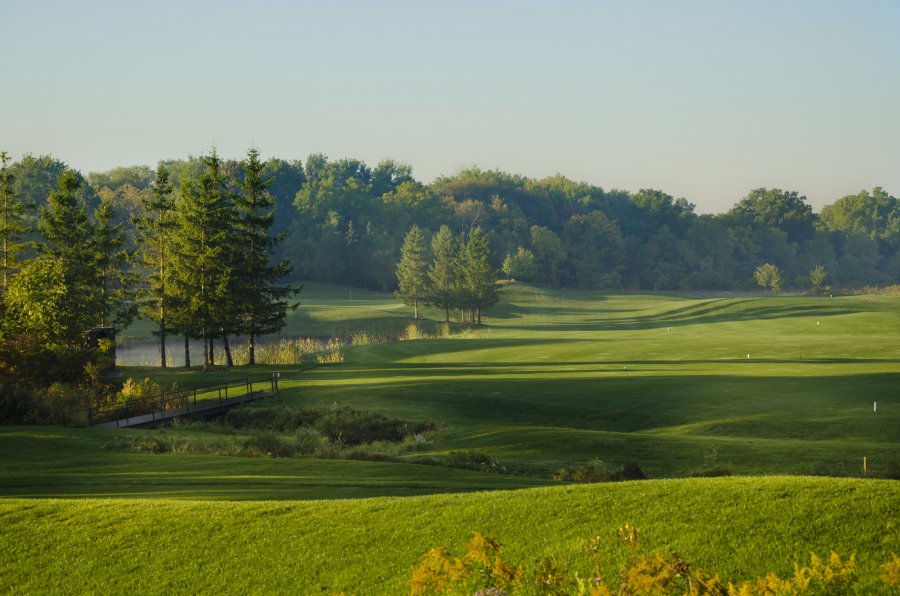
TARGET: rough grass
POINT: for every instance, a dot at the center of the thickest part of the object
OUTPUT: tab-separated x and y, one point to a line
54	462
739	528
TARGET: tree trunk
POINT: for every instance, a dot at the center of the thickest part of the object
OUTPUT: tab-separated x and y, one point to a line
228	360
162	344
479	315
447	313
187	352
252	348
416	310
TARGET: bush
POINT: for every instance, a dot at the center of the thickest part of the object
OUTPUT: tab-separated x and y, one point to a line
308	440
481	570
474	460
267	445
346	426
596	470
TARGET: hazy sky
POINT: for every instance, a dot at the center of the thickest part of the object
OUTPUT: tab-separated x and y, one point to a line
701	99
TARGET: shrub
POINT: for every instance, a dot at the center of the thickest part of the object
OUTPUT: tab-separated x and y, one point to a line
632	471
308	440
596	470
352	427
267	445
474	460
482	568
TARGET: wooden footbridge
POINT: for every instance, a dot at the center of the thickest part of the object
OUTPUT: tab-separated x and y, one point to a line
200	402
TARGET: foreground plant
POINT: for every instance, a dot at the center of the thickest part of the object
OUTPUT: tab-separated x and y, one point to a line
482	571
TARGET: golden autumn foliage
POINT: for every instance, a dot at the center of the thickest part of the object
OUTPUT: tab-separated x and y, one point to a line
482	571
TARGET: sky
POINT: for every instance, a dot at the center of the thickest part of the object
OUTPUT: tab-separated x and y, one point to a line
705	100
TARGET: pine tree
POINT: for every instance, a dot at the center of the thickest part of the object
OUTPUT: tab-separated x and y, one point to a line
478	278
412	271
112	290
154	227
12	226
443	271
68	235
262	302
201	269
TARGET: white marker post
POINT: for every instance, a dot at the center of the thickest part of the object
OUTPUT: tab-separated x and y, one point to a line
874	406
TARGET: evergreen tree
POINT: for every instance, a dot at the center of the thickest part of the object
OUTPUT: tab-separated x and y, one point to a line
69	235
412	277
262	301
478	278
12	223
154	227
201	269
443	271
112	290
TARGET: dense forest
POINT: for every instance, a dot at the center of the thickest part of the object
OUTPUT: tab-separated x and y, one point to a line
346	221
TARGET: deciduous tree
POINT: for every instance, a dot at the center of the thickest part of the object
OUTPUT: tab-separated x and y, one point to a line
768	276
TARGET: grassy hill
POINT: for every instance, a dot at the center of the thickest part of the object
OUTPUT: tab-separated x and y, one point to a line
680	385
739	528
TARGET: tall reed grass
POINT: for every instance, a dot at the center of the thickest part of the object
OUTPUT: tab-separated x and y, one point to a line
300	350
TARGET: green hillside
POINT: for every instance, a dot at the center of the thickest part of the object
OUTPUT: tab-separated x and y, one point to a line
739	528
554	380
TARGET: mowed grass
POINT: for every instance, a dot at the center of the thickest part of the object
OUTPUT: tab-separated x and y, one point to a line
663	381
77	463
554	378
738	527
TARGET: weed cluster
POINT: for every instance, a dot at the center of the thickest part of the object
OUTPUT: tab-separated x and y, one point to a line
333	433
482	570
597	470
466	460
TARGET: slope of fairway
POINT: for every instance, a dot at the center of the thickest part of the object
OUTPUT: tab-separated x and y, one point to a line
663	381
54	462
739	528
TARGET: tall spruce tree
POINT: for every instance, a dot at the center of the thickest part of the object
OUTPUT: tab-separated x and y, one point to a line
201	268
478	279
12	223
113	287
154	226
443	271
261	299
412	271
68	235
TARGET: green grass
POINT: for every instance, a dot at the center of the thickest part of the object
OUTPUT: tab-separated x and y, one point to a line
54	462
555	378
739	528
660	380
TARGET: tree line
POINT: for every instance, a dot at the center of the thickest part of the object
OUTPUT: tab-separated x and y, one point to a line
347	222
197	260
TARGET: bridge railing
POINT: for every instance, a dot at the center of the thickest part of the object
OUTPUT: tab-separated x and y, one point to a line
168	403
